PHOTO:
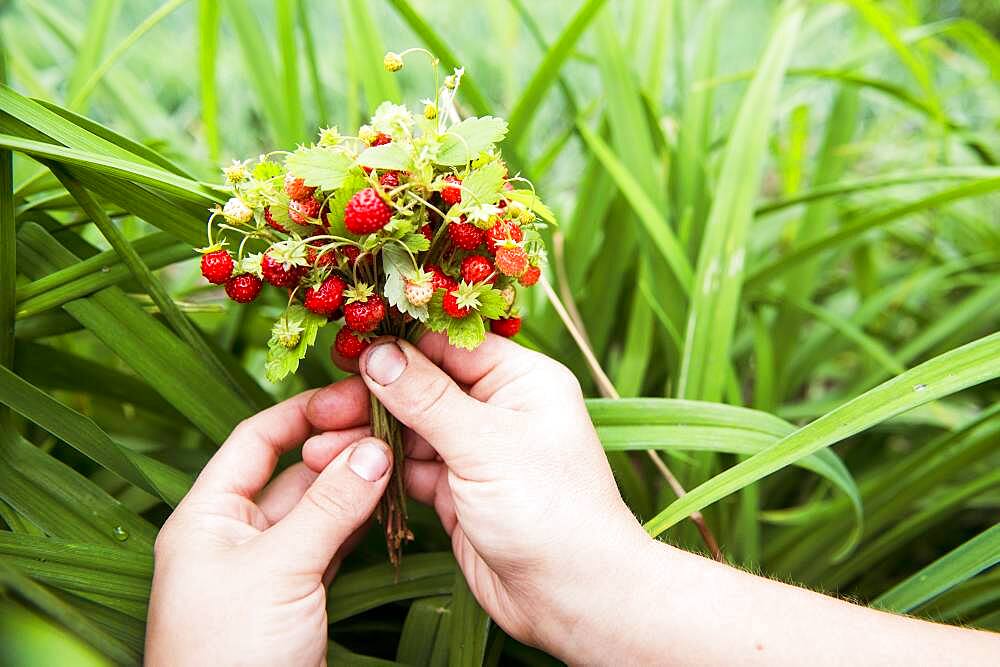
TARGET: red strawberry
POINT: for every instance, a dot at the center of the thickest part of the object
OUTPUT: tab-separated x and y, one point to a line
381	139
327	297
217	266
512	260
303	211
465	235
366	212
503	230
428	232
439	279
389	180
352	253
365	315
506	326
269	219
296	188
451	307
349	344
279	274
243	288
328	258
452	194
530	276
476	269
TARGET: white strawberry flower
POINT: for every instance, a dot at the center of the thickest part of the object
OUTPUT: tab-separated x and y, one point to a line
392	119
481	212
236	212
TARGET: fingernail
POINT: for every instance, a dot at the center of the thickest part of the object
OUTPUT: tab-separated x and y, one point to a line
369	460
385	363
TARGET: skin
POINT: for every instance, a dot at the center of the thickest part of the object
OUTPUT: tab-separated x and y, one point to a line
500	445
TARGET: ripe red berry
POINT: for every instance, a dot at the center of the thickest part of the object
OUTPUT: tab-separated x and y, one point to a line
279	274
511	260
304	211
476	269
296	188
327	297
530	276
366	212
217	266
428	232
243	288
365	315
328	258
269	219
439	279
348	344
452	194
503	230
465	235
381	139
506	326
389	180
451	307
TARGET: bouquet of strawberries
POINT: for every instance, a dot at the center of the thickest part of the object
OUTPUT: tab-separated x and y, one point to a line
415	224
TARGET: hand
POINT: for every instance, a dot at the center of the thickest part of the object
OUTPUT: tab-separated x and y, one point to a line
501	445
241	569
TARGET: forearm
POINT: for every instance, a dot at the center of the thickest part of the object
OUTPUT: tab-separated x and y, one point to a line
666	606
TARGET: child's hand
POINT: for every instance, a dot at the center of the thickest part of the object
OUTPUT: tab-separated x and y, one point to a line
501	445
241	569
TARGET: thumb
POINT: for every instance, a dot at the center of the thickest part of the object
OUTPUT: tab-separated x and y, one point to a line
337	503
426	399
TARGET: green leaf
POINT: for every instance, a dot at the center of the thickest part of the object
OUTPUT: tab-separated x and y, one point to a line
437	319
320	166
533	202
420	630
469	628
282	360
483	185
958	565
419	575
398	266
387	156
464	141
491	303
948	373
719	274
467	332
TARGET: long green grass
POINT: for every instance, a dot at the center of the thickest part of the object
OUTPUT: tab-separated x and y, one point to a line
777	271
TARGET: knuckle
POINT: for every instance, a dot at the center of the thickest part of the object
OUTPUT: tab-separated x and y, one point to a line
432	397
338	505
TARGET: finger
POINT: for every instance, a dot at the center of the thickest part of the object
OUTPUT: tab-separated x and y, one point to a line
339	406
427	483
346	548
319	450
418	448
496	362
423	397
284	491
338	502
244	463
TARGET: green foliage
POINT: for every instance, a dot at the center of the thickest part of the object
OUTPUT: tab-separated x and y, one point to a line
793	230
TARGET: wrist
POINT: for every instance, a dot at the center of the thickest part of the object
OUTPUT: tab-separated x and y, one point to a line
601	592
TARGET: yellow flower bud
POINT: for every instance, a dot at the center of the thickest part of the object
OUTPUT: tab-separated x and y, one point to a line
430	111
393	62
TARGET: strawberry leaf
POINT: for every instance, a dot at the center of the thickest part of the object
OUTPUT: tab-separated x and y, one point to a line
467	332
483	185
266	170
319	166
386	156
398	266
416	242
437	319
282	360
491	303
465	140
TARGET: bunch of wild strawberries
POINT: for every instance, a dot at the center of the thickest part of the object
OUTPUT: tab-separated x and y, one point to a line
414	224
